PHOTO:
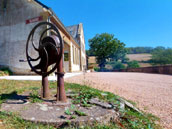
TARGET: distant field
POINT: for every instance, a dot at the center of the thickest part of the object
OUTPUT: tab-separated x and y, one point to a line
140	57
137	57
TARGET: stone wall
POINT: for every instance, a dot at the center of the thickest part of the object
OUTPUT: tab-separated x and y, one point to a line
14	32
155	69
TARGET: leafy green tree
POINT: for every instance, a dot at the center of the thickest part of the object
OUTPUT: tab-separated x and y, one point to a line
125	60
133	64
161	56
105	47
89	53
158	49
120	53
139	50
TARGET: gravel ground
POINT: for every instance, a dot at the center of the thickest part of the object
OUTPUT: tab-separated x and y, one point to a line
151	92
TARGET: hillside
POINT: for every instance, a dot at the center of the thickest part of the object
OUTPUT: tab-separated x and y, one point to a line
140	58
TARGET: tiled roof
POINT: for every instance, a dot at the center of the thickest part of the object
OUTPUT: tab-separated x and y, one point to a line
74	31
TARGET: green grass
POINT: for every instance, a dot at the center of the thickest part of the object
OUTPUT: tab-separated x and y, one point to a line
130	119
68	112
34	97
135	120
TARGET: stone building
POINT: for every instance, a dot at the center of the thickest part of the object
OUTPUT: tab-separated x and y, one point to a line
18	17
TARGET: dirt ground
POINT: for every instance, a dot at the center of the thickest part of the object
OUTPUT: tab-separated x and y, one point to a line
151	92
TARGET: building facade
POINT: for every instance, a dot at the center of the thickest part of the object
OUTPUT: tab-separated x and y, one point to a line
18	17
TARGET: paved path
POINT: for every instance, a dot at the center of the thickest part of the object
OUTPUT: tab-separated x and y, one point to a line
151	92
38	78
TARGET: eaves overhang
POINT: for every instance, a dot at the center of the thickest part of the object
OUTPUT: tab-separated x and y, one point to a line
51	13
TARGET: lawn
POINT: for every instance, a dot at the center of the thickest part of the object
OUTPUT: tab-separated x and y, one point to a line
128	119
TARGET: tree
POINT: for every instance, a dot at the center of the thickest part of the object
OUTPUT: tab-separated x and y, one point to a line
105	47
161	56
89	53
159	48
120	53
138	50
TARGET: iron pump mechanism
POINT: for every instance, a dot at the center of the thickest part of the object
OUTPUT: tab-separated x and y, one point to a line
46	55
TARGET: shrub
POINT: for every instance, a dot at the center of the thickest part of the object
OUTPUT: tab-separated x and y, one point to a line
5	71
133	64
102	69
96	69
118	65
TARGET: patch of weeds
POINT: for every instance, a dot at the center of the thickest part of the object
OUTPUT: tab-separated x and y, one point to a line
68	112
72	110
86	93
84	97
130	118
135	120
80	113
34	97
5	71
73	107
73	117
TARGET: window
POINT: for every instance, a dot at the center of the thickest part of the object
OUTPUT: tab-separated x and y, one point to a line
4	5
66	57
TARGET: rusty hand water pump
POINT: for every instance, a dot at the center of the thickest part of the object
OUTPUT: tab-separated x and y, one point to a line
44	52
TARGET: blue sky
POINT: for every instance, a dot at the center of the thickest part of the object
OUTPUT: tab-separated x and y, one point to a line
134	22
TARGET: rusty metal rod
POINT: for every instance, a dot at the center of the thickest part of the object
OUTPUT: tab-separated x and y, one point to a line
45	89
61	95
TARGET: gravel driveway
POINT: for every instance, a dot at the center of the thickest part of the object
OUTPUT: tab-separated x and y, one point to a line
151	92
